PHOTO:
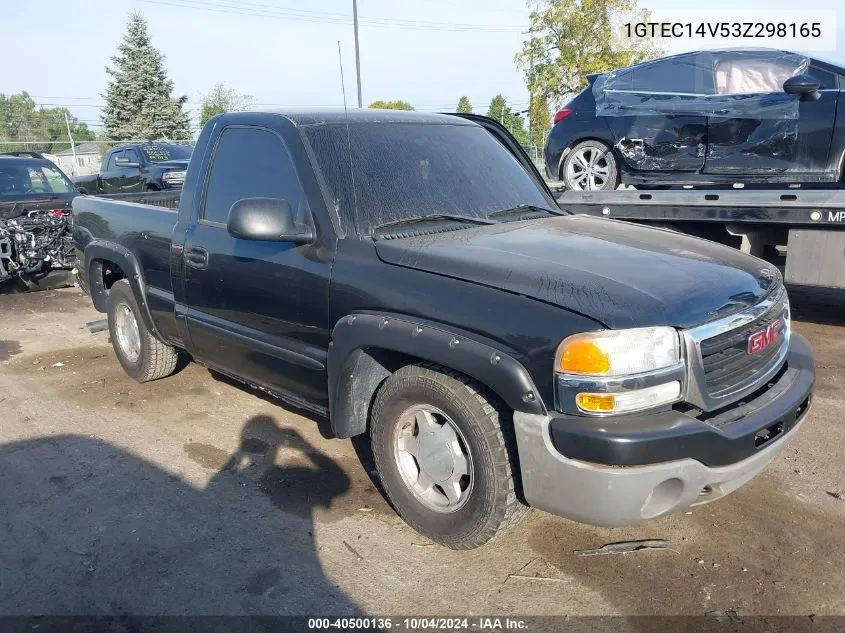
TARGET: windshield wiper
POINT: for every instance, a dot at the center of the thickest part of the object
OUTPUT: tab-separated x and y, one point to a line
522	209
434	216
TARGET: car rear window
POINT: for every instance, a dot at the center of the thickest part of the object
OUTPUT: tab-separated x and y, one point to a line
159	153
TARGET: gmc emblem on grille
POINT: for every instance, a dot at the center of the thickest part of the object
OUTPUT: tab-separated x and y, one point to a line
761	339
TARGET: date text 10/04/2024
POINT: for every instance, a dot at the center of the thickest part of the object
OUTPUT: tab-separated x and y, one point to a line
418	624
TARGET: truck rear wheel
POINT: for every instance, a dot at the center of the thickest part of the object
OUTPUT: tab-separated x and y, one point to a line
445	460
141	355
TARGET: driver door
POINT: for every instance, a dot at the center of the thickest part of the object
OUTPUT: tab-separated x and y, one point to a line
111	176
762	136
256	309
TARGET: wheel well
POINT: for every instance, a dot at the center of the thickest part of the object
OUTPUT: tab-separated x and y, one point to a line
369	368
102	275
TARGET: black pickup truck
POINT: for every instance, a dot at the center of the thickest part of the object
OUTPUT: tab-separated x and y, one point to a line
410	276
138	167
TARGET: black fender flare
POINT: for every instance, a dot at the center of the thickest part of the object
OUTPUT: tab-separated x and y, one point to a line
354	373
98	251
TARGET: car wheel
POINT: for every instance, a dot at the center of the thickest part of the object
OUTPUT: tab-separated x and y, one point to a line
590	166
141	355
444	456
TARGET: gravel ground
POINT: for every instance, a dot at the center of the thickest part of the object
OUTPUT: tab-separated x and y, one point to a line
191	495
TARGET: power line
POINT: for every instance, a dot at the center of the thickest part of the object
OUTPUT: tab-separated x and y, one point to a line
279	13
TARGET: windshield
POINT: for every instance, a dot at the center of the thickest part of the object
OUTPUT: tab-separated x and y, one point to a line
158	153
32	180
407	170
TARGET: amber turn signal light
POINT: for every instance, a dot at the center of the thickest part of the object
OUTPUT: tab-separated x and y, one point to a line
584	357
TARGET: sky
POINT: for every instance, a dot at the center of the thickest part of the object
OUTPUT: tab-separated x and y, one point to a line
285	52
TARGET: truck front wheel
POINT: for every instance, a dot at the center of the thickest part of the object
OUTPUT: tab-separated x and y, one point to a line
141	355
445	459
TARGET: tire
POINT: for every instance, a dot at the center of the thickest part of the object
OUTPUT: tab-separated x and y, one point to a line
488	500
141	355
590	165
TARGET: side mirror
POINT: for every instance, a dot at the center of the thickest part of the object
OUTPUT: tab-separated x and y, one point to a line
803	85
266	219
124	162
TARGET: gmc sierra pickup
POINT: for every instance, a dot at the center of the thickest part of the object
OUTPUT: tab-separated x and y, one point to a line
410	276
138	167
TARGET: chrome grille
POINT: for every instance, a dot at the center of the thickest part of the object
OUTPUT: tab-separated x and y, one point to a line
727	363
725	360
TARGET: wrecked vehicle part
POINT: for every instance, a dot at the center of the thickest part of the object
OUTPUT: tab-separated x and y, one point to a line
659	143
718	112
737	83
34	242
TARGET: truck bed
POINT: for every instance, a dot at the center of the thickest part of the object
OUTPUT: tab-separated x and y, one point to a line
143	229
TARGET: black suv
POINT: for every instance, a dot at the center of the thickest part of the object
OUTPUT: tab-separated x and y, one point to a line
709	117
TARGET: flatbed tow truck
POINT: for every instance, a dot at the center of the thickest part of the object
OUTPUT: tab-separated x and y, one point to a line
800	231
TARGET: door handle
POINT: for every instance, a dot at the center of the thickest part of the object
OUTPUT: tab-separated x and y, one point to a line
196	257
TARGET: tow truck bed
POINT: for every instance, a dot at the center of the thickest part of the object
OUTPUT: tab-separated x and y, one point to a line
808	225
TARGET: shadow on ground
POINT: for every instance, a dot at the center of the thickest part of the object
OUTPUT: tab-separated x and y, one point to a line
811	304
87	528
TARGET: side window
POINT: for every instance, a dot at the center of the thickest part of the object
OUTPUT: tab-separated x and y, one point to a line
751	76
677	75
111	164
827	81
38	183
132	156
249	163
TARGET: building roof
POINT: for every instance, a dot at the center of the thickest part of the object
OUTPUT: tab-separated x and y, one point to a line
89	147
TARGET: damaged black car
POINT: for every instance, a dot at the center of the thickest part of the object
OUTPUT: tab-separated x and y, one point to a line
35	237
704	118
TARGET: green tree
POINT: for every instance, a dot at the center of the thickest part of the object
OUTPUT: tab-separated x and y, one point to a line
540	118
512	121
24	127
223	98
570	39
464	106
391	105
139	99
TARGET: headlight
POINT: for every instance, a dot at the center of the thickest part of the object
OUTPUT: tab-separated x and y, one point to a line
619	352
619	371
173	176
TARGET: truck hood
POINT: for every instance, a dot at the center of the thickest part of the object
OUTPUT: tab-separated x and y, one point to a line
620	274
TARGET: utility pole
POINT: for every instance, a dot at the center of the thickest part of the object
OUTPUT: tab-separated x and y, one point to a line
72	146
531	99
357	52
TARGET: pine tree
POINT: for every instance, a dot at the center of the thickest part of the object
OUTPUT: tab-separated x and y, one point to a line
139	101
514	123
498	109
464	106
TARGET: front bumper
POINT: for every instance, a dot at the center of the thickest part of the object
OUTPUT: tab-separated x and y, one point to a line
628	469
